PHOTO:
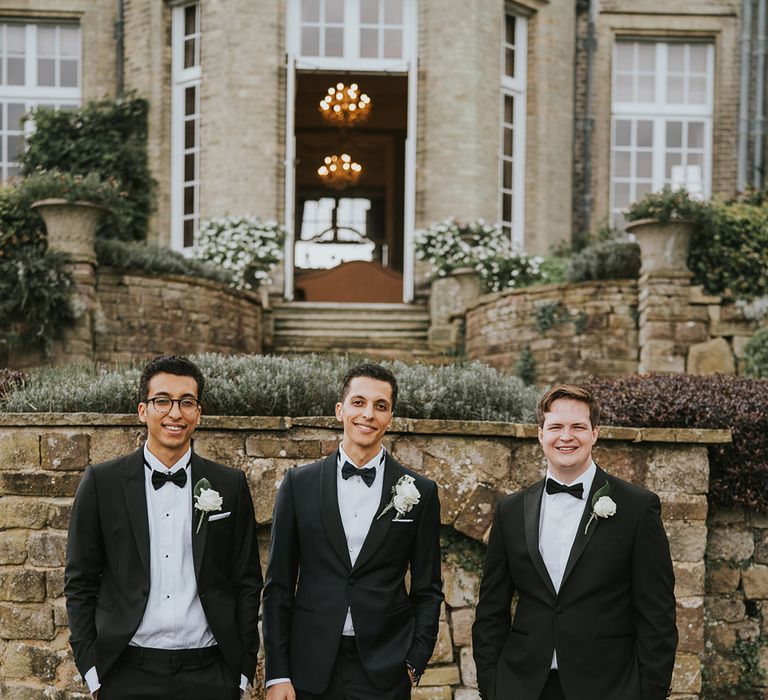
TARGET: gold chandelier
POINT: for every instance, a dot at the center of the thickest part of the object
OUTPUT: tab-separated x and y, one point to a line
345	106
339	172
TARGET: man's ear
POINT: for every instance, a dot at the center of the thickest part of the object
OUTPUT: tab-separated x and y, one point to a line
338	411
142	411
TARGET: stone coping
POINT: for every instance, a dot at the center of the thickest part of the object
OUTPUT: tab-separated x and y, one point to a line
399	425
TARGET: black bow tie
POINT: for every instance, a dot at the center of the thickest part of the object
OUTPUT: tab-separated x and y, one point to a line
367	475
577	490
178	477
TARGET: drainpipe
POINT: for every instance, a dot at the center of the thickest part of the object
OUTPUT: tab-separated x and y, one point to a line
757	177
586	124
746	60
119	43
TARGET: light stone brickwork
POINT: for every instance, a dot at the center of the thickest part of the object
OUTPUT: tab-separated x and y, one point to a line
474	464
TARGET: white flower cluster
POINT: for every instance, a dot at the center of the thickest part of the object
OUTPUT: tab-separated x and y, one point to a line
484	247
244	245
406	495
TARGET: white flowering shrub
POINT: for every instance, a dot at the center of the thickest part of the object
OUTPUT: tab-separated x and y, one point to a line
448	245
243	245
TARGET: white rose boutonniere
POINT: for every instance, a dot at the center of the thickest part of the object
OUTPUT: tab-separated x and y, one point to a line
206	500
603	506
405	495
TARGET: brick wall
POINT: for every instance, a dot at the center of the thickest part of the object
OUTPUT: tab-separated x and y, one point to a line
474	464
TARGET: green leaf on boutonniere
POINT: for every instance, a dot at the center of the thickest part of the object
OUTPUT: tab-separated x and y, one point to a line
604	490
200	485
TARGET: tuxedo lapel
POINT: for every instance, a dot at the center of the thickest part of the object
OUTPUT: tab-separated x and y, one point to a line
136	502
532	516
197	472
329	508
582	540
380	526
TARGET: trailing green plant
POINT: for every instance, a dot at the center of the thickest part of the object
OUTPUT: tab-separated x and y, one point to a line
286	386
245	246
21	227
56	184
462	551
134	256
608	259
739	470
108	138
35	297
10	380
667	205
756	355
551	314
526	366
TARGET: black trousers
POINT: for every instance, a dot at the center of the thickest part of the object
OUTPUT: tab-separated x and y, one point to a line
161	674
349	680
552	688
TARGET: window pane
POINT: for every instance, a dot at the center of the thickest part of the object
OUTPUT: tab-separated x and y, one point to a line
509	109
509	142
310	41
14	146
621	163
641	189
310	10
697	91
625	56
644	165
334	11
510	28
393	11
696	135
17	38
369	11
68	73
675	89
16	71
623	89
189	167
676	58
189	134
46	41
16	112
506	207
190	13
189	53
334	41
698	58
393	44
189	100
647	57
509	62
674	134
644	134
46	72
69	42
645	88
189	199
672	160
189	233
620	195
506	181
369	43
623	130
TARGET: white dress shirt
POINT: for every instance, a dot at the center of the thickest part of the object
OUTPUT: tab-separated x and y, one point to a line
174	617
559	520
357	507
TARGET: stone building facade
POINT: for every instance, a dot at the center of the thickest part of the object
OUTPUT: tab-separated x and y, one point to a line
474	464
546	115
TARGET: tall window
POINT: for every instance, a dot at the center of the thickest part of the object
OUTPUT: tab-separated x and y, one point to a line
661	131
512	156
367	32
39	66
185	166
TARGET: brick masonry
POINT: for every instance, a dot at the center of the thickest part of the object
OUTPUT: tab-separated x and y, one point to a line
474	464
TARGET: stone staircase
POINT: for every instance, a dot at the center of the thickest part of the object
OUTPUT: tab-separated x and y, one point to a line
378	331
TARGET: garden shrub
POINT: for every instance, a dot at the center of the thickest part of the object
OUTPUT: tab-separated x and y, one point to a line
130	256
605	260
756	355
20	226
738	471
36	296
10	380
108	138
286	386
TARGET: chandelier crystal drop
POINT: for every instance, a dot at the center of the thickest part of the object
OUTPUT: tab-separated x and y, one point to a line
345	106
339	171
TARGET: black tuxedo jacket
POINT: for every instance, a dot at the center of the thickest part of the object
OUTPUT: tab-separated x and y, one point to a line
613	620
107	577
310	581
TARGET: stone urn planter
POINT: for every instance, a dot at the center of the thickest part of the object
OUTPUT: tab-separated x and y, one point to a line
449	298
71	226
663	244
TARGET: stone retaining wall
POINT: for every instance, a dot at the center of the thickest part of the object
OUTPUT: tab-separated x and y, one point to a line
474	464
136	316
574	332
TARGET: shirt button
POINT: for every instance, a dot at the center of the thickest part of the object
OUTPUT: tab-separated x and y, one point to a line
167	596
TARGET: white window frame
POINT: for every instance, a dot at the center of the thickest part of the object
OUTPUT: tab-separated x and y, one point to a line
351	60
660	112
515	87
29	94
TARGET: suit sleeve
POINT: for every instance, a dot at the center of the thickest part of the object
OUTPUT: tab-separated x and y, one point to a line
246	576
653	594
82	572
426	582
493	618
280	584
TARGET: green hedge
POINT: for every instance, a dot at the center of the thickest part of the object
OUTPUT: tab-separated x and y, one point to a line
756	355
273	385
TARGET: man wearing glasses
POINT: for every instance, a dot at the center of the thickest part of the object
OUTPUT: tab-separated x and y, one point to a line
162	576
